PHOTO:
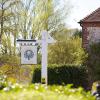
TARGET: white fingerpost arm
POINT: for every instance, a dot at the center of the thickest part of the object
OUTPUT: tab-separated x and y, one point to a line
44	77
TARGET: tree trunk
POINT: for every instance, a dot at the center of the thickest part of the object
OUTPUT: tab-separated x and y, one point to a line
15	44
2	22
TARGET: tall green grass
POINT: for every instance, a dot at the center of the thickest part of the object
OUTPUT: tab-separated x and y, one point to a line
43	92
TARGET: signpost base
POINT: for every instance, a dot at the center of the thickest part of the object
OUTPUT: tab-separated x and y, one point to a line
43	81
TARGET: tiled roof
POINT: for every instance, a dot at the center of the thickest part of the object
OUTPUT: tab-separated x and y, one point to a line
93	17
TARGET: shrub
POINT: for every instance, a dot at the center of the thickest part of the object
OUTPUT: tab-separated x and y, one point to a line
21	74
3	80
94	86
9	59
67	51
10	70
93	62
63	74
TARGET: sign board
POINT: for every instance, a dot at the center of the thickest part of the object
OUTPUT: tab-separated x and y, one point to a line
28	54
27	42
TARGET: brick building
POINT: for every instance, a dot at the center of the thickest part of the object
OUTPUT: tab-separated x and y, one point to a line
91	28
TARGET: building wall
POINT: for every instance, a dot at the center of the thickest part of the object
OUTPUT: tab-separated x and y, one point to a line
94	34
90	33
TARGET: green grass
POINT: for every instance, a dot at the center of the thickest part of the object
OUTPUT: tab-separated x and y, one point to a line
43	92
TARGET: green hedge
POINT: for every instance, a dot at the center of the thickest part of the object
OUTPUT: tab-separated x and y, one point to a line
64	74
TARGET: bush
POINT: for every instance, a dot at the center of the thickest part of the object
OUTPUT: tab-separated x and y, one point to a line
3	80
94	86
10	71
67	51
63	74
21	74
93	62
9	59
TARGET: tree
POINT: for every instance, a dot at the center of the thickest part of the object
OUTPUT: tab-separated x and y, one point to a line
26	19
48	16
78	33
6	16
25	10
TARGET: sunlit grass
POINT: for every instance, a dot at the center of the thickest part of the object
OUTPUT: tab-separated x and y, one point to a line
43	92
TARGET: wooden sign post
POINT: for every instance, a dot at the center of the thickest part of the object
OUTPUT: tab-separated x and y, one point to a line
44	57
46	38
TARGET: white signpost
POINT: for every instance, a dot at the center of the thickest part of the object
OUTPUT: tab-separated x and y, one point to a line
29	53
44	57
46	38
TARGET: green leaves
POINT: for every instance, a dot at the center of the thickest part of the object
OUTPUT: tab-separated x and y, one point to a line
63	74
67	51
93	63
43	92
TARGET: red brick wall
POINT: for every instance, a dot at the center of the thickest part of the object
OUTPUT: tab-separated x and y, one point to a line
85	33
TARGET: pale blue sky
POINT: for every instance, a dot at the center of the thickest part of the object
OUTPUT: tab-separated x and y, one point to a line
81	9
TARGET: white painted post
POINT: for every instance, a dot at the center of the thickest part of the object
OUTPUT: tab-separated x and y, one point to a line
44	77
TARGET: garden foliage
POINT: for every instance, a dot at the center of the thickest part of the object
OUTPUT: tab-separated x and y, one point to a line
9	59
67	51
43	92
63	74
93	61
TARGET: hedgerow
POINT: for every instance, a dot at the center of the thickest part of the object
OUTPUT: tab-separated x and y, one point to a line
63	74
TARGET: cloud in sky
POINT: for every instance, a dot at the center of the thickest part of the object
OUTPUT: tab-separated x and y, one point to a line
81	8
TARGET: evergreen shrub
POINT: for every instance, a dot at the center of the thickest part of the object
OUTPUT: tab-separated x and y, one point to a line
63	74
93	62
